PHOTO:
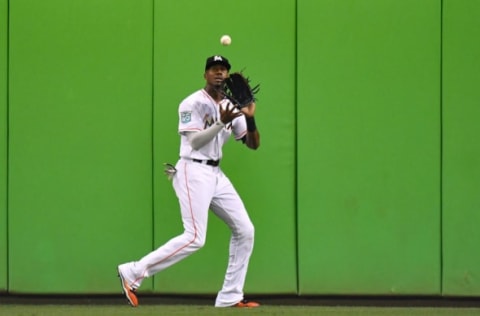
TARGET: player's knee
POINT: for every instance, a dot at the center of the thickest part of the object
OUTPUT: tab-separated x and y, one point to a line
197	243
247	231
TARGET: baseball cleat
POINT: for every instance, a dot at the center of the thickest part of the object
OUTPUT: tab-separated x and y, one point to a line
245	303
128	291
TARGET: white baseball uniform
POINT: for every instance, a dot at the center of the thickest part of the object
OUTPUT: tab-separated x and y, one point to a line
200	187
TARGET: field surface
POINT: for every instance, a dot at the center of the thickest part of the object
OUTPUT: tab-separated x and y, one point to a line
202	306
201	310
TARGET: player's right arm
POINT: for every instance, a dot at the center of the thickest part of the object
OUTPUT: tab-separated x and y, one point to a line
198	139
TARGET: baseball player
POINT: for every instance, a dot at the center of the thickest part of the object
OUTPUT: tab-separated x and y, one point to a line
206	121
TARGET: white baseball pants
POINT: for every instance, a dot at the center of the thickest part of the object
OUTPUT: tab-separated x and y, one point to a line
200	187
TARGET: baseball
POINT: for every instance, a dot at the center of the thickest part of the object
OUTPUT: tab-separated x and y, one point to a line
226	40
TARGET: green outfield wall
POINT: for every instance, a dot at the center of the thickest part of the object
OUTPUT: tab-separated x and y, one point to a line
369	147
461	148
264	178
3	144
365	183
80	142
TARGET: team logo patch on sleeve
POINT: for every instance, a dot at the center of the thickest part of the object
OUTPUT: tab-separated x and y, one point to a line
185	117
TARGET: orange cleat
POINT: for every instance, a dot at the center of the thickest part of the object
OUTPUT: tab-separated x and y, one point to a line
128	290
247	304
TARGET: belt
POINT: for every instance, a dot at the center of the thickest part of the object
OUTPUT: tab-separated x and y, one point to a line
208	162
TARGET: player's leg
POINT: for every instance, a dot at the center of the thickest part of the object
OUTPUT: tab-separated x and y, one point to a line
228	206
194	188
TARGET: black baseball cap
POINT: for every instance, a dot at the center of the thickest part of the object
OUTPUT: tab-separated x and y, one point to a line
217	60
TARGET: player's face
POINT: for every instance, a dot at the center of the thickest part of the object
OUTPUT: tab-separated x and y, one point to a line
216	74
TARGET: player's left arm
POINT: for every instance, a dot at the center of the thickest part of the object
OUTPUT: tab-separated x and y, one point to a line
252	138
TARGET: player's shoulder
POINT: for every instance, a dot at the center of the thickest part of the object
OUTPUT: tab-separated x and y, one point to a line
194	97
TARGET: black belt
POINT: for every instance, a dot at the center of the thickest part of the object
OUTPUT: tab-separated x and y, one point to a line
208	162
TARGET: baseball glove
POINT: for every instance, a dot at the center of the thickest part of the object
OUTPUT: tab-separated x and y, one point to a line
237	89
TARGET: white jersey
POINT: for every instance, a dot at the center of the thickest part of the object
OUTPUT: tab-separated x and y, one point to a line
199	111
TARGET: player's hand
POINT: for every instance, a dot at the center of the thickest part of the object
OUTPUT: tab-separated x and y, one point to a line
249	110
228	113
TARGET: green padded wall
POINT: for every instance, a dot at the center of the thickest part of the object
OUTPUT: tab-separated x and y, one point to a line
264	178
80	190
461	149
369	146
3	143
387	193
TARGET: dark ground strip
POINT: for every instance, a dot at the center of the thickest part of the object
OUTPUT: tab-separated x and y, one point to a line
157	299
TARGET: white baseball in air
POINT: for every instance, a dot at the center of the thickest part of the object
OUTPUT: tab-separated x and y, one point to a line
226	40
